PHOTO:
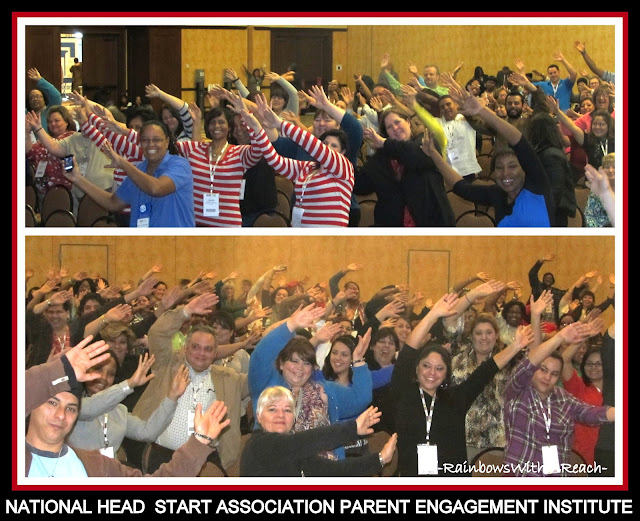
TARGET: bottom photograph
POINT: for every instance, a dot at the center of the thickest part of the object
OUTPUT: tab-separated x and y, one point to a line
370	357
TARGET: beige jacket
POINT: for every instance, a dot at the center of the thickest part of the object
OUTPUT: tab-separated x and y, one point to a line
231	387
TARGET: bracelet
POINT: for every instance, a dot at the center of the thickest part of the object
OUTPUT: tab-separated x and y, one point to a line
204	437
233	81
380	459
185	313
48	303
357	361
468	300
103	322
36	130
126	387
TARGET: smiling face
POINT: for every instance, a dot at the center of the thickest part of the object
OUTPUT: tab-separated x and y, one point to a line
107	372
402	329
120	346
340	358
483	339
546	377
200	350
431	372
218	128
50	423
280	295
514	316
57	316
154	143
36	100
599	127
554	74
593	367
384	351
586	106
56	123
296	371
169	120
509	175
277	416
448	108
397	127
514	106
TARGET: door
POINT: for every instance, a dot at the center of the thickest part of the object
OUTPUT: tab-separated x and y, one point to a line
311	50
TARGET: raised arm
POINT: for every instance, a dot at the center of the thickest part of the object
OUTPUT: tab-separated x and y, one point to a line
445	307
572	333
566	121
557	55
472	106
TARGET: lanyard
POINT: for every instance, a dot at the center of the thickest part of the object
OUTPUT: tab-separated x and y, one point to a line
104	430
304	185
212	167
546	415
604	147
428	412
196	391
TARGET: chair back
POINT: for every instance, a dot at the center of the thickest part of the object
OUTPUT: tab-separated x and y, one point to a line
105	221
487	463
89	211
31	198
458	204
475	219
283	204
272	220
57	198
30	220
578	220
284	185
60	219
367	207
582	194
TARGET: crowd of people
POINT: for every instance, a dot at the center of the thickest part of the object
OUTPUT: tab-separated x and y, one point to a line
223	376
404	141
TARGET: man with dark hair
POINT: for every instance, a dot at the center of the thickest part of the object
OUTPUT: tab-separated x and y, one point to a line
559	88
52	402
208	383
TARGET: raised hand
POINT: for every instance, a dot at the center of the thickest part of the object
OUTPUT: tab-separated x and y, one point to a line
369	417
179	383
83	357
445	306
386	454
142	375
362	346
210	423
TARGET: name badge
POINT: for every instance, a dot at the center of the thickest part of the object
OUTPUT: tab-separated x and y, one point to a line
108	452
427	459
550	460
296	216
243	183
143	217
452	154
190	423
211	205
42	166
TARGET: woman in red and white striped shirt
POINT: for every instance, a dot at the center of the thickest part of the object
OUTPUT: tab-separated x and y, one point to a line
323	187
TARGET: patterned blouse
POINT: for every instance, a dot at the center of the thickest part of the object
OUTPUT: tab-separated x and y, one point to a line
484	422
312	411
52	174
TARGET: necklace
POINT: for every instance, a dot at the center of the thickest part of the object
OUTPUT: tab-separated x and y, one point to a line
53	470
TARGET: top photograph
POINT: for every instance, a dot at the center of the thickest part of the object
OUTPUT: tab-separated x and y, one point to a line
171	123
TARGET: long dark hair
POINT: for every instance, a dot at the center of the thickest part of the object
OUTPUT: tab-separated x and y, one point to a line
327	369
543	132
217	112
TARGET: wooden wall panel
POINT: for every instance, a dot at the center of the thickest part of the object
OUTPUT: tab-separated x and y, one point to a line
385	259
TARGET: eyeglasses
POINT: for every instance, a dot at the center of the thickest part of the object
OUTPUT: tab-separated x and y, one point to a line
36	96
155	141
593	364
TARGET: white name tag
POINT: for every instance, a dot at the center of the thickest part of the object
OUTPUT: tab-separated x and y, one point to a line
42	166
211	205
296	216
550	460
427	459
108	452
242	185
143	222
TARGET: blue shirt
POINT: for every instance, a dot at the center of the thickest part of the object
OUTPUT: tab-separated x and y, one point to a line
171	210
562	92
